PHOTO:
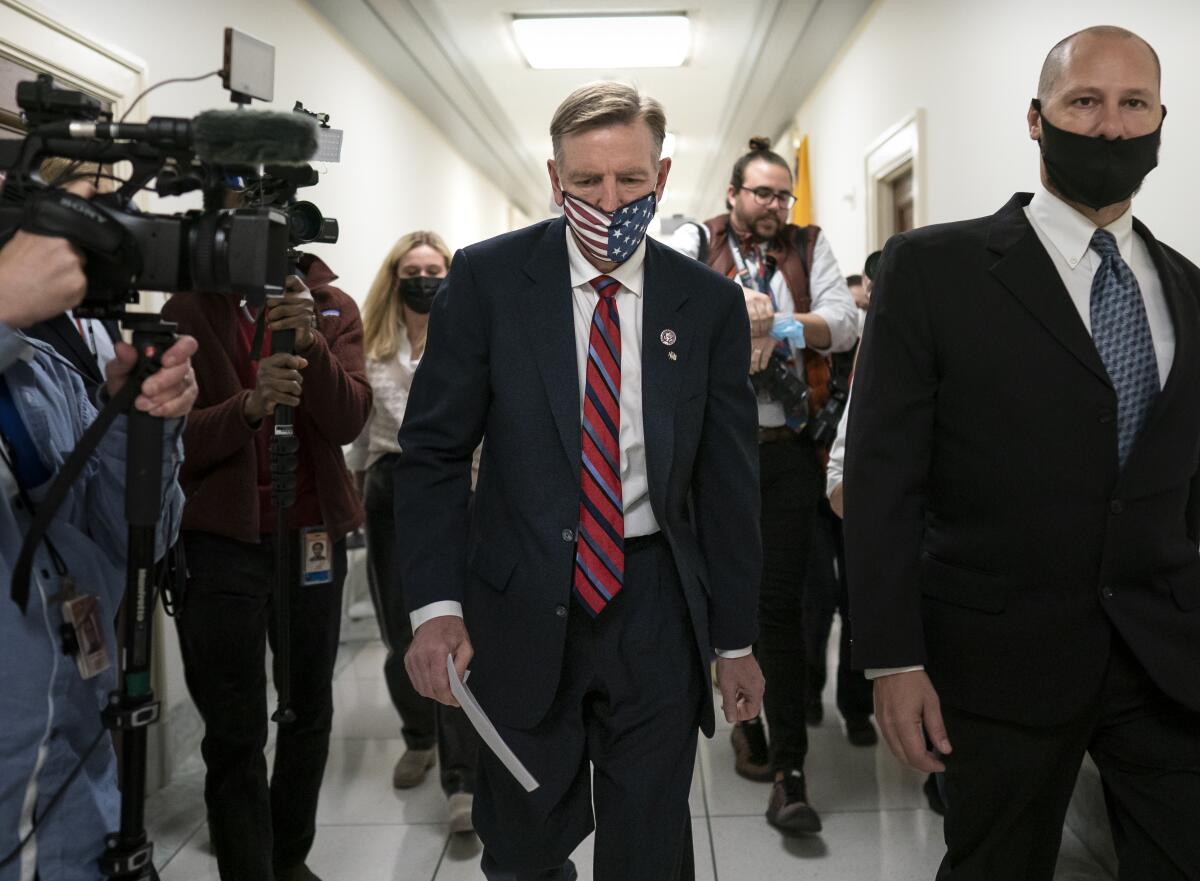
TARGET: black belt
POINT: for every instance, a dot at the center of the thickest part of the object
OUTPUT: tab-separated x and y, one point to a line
641	542
775	433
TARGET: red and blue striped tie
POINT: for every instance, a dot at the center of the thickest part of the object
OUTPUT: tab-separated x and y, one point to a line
600	543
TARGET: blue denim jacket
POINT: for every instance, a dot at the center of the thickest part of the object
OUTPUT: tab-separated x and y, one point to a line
49	714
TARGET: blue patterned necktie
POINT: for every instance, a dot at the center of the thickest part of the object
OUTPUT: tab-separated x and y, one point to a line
1121	333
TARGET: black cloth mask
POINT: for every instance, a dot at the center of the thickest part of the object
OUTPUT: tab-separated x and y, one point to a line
419	291
1095	171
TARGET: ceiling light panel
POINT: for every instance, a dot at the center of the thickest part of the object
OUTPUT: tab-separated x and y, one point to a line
603	42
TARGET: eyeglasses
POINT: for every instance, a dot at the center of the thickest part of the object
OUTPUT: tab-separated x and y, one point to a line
765	196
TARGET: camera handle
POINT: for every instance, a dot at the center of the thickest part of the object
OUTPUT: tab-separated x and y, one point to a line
128	854
284	449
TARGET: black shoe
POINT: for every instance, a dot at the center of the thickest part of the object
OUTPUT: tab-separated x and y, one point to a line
814	712
934	795
750	757
860	731
789	810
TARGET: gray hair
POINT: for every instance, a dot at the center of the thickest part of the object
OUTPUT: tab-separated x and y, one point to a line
598	105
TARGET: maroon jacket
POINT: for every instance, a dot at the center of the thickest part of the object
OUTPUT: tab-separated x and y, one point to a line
220	474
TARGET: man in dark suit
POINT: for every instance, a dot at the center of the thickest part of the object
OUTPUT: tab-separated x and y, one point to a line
613	543
1022	543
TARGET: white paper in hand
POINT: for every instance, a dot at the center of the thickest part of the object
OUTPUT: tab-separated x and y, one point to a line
487	731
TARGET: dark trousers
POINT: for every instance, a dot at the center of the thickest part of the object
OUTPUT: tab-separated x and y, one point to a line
619	738
826	593
791	484
258	828
424	723
1008	786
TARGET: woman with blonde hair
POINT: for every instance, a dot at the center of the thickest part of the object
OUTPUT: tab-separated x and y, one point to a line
395	317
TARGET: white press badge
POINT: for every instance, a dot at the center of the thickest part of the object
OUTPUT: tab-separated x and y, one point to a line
317	555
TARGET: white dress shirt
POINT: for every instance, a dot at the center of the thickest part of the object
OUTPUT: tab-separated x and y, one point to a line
829	293
635	481
1066	235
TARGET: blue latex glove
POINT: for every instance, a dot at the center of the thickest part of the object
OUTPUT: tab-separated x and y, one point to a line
787	328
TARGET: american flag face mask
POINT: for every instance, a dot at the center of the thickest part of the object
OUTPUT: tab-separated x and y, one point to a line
613	237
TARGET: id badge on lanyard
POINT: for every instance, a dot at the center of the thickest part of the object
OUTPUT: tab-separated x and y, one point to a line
316	553
743	270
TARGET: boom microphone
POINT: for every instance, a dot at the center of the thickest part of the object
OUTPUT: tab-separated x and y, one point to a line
250	137
219	137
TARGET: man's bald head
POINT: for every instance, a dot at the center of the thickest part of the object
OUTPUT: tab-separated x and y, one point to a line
1059	57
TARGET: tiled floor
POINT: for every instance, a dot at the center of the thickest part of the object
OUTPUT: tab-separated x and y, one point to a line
876	823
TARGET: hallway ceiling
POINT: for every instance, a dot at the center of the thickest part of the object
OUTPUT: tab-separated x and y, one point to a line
751	65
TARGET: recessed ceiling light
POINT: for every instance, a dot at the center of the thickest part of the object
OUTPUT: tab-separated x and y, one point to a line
603	42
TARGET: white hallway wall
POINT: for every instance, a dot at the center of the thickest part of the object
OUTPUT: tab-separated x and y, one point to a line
397	173
973	66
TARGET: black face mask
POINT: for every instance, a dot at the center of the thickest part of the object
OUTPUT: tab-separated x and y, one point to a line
418	292
1094	170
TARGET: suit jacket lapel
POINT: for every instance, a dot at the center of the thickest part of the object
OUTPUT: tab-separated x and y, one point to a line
665	330
1184	320
546	307
1028	272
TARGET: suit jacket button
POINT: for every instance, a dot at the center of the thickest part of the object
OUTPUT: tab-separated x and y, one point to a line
1106	416
568	535
560	611
1106	592
1116	506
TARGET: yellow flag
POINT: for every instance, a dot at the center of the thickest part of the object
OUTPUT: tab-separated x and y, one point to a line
802	214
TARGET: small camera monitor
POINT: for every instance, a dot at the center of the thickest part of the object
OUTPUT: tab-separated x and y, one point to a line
249	69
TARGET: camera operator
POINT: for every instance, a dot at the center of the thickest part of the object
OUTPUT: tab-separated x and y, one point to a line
58	789
785	271
264	830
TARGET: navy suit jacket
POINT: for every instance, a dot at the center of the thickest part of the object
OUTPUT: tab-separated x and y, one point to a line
500	366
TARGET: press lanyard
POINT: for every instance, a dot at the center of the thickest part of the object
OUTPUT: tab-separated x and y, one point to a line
743	270
60	565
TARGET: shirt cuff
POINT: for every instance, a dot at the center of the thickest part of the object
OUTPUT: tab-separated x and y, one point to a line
878	672
435	610
730	654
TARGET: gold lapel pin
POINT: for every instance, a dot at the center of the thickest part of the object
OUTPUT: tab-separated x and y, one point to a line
672	356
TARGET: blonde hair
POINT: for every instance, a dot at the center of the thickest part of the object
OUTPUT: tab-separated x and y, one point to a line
383	313
602	104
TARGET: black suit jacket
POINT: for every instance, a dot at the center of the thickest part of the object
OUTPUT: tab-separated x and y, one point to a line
500	365
990	533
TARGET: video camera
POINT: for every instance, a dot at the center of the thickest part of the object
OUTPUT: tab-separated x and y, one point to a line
241	251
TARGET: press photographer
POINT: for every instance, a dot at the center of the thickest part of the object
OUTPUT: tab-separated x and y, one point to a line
263	828
58	787
787	272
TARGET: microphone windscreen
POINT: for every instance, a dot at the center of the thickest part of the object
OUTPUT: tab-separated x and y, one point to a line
253	137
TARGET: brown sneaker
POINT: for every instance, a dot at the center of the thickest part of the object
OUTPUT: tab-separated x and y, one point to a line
460	806
751	759
412	767
789	810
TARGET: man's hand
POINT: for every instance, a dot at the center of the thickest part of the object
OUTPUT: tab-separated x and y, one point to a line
425	659
295	310
169	393
761	348
279	382
761	312
741	684
837	499
40	277
904	702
